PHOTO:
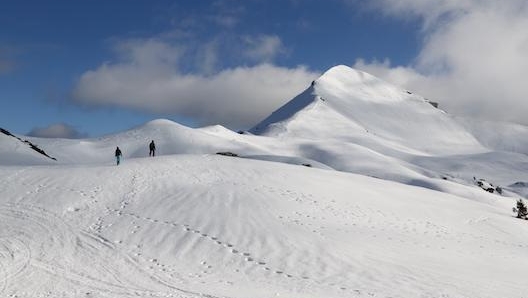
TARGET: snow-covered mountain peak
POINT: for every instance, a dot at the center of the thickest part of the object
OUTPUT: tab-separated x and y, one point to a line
345	104
346	93
160	122
345	82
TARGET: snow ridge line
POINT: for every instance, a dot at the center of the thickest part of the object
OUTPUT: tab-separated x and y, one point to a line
31	145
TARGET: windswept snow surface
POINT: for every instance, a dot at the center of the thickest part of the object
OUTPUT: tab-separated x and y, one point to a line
329	198
186	225
178	226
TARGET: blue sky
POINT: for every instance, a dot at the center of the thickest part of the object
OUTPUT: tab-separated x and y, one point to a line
89	68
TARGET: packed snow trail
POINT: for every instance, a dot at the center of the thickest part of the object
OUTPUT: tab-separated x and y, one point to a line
191	225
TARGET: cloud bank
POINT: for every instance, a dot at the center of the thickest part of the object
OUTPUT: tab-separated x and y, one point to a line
473	61
59	130
148	77
474	58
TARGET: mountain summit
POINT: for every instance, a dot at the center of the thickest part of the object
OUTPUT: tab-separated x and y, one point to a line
346	102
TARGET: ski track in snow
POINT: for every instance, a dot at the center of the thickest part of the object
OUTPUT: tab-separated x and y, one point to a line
32	242
137	185
250	258
165	273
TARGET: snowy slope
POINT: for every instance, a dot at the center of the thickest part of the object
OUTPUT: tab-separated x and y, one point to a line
15	152
186	225
354	122
384	206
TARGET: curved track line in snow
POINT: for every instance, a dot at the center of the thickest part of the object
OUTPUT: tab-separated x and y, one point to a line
38	249
15	256
37	237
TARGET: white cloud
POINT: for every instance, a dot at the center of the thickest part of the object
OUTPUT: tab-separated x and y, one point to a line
400	75
147	78
474	59
227	21
153	56
207	58
263	48
430	11
59	130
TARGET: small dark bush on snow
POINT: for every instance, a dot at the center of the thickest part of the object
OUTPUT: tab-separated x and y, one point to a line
521	210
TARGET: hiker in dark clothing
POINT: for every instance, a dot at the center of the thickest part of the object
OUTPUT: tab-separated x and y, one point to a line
152	149
118	155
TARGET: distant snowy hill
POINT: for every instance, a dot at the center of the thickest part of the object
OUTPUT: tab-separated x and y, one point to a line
15	150
170	137
354	188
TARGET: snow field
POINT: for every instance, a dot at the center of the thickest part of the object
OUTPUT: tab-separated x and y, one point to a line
178	226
